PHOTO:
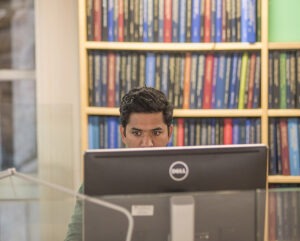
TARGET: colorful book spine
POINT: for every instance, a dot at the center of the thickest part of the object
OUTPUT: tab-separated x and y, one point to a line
110	20
218	24
220	85
145	21
282	81
207	21
196	21
293	146
284	146
187	81
182	21
243	80
150	69
168	21
209	63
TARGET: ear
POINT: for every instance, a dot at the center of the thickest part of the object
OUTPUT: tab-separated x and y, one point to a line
122	131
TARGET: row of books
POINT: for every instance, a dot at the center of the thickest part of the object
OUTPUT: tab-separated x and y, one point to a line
191	81
104	131
284	143
284	79
284	214
174	20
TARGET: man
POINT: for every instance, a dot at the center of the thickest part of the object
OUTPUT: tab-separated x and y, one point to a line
146	121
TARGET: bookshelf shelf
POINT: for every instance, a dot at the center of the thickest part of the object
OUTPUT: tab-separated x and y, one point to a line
106	111
284	113
284	46
283	179
140	46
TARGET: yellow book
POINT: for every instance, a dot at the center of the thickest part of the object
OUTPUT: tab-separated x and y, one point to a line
243	80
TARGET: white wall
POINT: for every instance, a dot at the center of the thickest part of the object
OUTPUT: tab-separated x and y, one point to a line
58	105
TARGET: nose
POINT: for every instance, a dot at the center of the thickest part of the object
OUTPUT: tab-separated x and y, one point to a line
147	141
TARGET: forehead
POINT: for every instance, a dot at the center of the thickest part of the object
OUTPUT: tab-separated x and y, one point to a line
146	120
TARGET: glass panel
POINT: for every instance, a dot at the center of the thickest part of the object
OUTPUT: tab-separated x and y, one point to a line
17	47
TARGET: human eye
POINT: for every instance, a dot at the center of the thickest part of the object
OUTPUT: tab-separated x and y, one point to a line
136	132
157	132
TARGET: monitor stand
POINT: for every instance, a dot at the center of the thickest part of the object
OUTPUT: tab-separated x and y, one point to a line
182	218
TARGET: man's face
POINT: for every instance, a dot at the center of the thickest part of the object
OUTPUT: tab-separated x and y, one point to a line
146	130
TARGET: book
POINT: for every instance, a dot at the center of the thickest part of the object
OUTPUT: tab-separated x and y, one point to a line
249	102
272	147
120	21
276	86
110	20
112	131
111	84
233	82
248	21
97	26
165	74
187	81
188	20
282	81
227	131
220	85
218	24
168	21
293	79
200	80
256	88
145	21
150	19
196	21
161	21
150	69
227	80
180	131
90	8
243	80
298	78
214	81
209	63
284	146
193	81
207	21
293	146
182	21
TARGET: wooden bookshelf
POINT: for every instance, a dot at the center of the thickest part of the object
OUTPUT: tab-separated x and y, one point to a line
264	112
264	46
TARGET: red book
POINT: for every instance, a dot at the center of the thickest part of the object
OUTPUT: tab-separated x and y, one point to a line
207	20
168	21
180	132
111	79
187	81
121	21
97	20
208	76
251	81
227	131
284	147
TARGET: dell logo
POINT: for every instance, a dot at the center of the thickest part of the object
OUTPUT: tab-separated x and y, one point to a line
178	171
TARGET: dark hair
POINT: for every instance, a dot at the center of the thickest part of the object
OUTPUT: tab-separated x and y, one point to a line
145	100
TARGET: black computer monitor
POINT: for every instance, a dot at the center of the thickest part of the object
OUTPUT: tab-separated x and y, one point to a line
222	186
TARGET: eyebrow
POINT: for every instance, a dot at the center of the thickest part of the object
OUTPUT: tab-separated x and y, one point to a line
154	129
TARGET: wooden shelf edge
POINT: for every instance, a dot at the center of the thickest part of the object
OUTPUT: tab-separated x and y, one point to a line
287	45
114	111
140	46
284	113
283	179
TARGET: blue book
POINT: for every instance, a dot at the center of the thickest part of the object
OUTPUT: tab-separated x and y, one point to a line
150	69
220	86
214	81
160	21
104	79
196	21
150	21
248	124
110	20
90	133
233	82
182	21
235	130
117	79
293	146
112	132
213	21
227	80
256	90
218	24
238	80
272	147
175	20
164	74
145	21
248	21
